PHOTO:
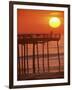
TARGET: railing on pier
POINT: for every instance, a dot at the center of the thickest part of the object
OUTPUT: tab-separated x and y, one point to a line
35	64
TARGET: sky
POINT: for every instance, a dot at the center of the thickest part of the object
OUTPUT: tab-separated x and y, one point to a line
37	21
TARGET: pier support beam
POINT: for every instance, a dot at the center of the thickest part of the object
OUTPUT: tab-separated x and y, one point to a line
58	54
33	57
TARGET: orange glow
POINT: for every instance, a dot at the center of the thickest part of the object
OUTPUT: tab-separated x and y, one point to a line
37	21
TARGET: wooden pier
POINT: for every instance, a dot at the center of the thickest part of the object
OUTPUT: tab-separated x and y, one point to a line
37	66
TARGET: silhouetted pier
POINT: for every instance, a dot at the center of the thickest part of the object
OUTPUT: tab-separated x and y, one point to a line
34	66
37	38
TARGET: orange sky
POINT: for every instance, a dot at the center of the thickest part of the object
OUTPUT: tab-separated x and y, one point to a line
36	21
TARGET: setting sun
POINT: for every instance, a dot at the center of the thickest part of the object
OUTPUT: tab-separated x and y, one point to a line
54	22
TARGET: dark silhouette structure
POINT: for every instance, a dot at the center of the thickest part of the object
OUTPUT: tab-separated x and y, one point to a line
29	66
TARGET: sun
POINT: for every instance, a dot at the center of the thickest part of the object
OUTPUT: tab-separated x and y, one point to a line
54	22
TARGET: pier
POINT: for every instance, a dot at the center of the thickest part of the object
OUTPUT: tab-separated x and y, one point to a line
35	64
